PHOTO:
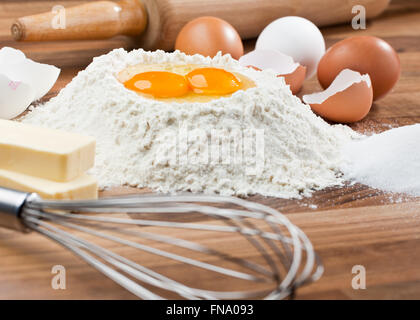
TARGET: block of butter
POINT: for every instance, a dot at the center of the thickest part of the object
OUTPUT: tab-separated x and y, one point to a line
84	187
45	153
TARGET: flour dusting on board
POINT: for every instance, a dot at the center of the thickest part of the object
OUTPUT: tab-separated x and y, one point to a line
138	139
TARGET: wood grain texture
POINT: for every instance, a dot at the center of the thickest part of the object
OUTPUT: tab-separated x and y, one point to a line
348	226
99	20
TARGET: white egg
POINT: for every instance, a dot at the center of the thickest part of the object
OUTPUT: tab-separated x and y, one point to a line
296	37
15	97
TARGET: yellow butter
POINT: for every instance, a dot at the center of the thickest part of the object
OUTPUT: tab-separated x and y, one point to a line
82	188
45	153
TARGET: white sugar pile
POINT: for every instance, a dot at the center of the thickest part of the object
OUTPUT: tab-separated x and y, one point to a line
166	146
389	161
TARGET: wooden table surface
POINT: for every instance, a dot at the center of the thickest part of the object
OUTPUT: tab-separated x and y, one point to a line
354	225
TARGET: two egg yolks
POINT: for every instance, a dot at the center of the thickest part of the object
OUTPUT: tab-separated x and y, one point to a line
164	84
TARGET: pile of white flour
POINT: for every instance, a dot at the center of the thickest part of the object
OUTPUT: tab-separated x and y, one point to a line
284	149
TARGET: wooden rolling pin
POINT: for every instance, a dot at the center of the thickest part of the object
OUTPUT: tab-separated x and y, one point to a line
156	23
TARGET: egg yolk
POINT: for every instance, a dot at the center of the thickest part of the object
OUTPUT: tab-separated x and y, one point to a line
159	84
213	81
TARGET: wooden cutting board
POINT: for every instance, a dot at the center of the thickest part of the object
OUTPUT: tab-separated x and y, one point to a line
348	226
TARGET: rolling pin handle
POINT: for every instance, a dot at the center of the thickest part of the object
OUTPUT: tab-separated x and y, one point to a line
89	21
18	31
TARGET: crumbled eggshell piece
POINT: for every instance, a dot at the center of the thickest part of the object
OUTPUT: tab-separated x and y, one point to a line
282	64
348	98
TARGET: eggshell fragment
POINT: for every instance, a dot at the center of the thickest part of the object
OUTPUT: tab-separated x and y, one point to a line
295	79
22	81
40	76
364	54
283	65
10	56
296	37
15	97
348	98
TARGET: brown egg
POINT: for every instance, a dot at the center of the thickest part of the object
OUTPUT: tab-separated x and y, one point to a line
364	54
207	36
348	99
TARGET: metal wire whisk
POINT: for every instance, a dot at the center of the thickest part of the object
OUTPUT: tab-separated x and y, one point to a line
152	225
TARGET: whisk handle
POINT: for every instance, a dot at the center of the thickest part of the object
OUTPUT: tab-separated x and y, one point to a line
11	206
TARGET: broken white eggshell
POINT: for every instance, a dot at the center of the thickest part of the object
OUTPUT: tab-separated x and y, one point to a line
10	56
15	97
282	64
348	99
23	76
40	76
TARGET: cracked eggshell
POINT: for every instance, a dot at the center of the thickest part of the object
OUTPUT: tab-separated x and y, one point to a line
296	37
40	76
348	99
15	97
10	56
282	64
22	81
295	79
